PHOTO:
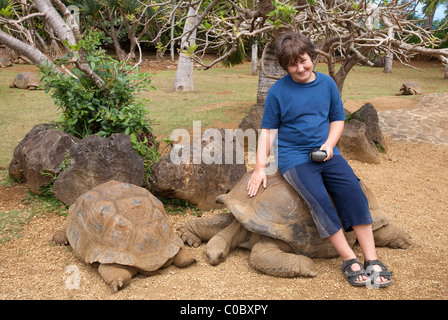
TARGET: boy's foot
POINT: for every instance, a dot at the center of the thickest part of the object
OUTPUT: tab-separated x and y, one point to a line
378	272
354	272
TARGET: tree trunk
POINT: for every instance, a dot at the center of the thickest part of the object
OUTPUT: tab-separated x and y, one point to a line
172	37
430	19
446	69
346	67
270	72
114	35
254	57
184	74
35	55
388	59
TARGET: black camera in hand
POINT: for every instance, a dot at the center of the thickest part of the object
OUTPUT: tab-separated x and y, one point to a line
317	155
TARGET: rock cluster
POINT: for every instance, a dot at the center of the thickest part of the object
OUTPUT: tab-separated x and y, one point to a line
74	165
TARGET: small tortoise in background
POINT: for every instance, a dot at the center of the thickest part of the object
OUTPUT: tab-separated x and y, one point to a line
409	88
5	62
26	80
124	229
277	226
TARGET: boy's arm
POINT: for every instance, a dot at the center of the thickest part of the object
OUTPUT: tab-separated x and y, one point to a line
265	141
335	132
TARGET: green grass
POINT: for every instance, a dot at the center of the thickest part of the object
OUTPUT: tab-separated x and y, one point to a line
12	221
20	110
222	97
365	83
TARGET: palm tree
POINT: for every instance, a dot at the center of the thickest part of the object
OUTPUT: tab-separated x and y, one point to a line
429	9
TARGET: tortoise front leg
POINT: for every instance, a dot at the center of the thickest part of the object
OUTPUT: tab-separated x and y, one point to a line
230	237
266	256
117	276
196	230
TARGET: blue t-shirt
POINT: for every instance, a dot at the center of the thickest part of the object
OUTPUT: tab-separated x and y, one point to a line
302	113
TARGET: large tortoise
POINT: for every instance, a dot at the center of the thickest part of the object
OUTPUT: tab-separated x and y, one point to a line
278	228
409	88
124	229
26	80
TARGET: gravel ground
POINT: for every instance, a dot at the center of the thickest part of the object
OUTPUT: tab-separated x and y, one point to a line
410	183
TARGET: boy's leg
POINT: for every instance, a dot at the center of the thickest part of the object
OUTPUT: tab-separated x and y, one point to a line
348	197
341	245
352	207
306	179
364	234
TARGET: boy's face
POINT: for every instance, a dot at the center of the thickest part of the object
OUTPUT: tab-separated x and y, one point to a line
301	71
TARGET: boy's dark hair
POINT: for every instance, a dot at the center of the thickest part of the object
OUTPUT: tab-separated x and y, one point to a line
293	45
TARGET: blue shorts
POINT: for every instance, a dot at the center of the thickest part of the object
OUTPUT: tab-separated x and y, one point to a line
314	181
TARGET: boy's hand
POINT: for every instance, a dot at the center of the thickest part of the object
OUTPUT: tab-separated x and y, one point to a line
328	150
258	177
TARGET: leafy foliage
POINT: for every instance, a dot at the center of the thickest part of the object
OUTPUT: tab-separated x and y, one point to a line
441	33
115	108
282	14
7	8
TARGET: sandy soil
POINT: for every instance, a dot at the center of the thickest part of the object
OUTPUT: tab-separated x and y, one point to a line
410	184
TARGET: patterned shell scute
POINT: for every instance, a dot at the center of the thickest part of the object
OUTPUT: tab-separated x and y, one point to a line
26	79
274	212
121	223
279	212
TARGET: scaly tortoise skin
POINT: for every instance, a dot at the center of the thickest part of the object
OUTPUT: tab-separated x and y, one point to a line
276	225
124	229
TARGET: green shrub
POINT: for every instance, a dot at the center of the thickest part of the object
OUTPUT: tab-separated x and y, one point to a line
87	109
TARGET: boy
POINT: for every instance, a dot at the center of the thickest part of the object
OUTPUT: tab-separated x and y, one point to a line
304	110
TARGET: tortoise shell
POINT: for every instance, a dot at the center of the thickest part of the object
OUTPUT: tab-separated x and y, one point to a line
412	87
121	223
279	212
5	62
24	80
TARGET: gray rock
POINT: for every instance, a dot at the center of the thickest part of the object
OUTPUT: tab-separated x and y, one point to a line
38	157
355	144
370	118
198	183
95	160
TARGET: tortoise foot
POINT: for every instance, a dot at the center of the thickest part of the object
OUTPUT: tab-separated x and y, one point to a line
268	258
224	241
189	237
183	259
60	238
116	276
393	237
194	231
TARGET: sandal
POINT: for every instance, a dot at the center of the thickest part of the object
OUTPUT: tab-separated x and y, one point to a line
352	275
373	275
